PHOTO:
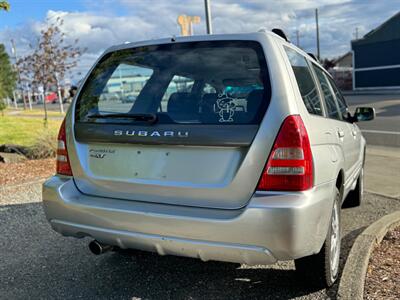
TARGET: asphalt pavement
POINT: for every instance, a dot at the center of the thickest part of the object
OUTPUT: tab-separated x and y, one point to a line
385	129
382	171
37	263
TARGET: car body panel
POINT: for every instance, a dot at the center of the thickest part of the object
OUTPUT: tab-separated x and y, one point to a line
327	153
332	153
273	226
232	191
201	200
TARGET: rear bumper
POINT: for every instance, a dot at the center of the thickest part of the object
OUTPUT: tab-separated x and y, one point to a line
271	227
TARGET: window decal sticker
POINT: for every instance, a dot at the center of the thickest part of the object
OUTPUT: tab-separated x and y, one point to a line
226	107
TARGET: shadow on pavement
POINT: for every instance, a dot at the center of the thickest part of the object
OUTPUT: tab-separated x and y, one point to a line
38	263
347	242
390	111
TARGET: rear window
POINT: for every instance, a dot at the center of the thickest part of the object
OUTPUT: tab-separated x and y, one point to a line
219	82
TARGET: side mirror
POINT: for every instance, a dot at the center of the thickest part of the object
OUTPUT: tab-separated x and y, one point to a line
364	114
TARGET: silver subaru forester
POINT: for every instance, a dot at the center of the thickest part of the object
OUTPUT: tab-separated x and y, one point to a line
236	148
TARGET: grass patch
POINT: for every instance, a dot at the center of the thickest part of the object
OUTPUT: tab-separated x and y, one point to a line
33	112
25	131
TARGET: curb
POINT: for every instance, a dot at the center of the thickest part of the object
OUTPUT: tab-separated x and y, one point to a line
351	284
382	194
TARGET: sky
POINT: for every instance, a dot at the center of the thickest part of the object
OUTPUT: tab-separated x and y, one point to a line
99	24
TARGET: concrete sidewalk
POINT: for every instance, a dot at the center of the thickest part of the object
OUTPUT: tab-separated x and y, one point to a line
382	171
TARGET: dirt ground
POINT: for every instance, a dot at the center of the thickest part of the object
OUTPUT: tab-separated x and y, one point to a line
383	276
30	170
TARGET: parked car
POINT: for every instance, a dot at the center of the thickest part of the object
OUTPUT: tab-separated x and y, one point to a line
51	98
202	176
128	99
110	97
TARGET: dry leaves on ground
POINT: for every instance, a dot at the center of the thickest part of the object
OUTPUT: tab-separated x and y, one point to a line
27	171
383	276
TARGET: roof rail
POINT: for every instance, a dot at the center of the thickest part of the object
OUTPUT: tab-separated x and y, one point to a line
313	56
281	33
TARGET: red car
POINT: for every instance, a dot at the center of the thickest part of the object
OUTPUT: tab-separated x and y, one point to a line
51	98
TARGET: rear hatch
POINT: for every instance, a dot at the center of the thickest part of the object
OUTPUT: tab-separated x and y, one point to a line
172	123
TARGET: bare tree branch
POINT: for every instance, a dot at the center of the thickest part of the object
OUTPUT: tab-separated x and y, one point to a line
51	59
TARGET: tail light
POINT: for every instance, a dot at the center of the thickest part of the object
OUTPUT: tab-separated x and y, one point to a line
289	166
63	166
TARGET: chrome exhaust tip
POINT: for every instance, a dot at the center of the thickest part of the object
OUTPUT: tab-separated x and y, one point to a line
98	248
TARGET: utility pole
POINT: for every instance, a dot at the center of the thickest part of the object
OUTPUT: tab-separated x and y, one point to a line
356	33
29	96
297	38
15	99
60	100
317	28
14	52
208	16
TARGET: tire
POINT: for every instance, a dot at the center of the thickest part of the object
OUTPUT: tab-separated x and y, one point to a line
354	198
322	269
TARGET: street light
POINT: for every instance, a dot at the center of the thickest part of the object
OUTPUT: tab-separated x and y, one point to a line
208	16
317	30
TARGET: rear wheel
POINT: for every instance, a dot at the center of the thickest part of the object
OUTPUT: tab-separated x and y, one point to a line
322	268
355	197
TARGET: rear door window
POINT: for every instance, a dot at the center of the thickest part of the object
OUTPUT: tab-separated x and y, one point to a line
305	82
331	106
343	109
219	82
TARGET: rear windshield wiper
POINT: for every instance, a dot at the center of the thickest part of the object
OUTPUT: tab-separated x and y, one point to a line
150	118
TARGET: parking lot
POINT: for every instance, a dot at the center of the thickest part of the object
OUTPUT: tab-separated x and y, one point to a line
385	129
35	262
38	263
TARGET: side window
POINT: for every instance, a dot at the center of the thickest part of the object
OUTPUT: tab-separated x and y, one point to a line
332	109
308	89
122	88
340	100
179	85
208	89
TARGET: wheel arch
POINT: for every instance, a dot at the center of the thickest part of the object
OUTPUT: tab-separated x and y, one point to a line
340	183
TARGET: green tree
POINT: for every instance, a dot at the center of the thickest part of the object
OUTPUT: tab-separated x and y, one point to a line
7	75
4	5
2	106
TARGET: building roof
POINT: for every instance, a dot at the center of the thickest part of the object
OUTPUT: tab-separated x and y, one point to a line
389	30
346	60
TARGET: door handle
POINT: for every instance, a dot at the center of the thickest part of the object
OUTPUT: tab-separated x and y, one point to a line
340	133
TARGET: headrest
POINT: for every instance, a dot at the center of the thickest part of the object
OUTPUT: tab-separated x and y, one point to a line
179	102
182	106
